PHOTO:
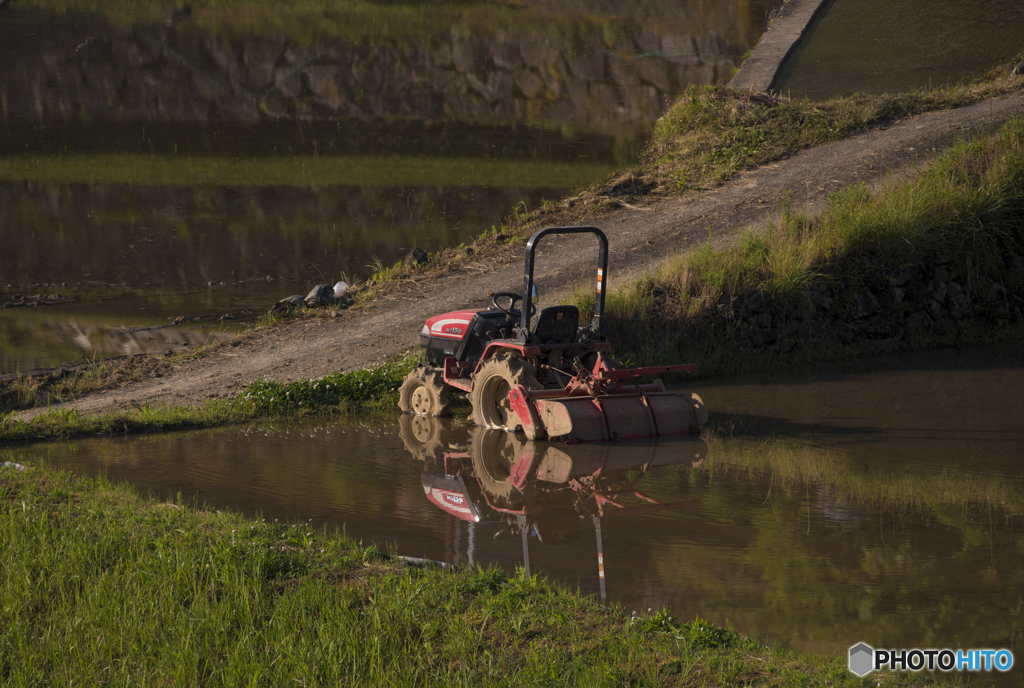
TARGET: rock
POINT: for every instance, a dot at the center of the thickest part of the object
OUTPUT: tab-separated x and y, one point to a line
902	277
754	304
16	466
806	310
417	256
995	291
952	289
761	320
821	300
960	306
937	290
294	301
897	295
320	295
918	322
863	305
933	308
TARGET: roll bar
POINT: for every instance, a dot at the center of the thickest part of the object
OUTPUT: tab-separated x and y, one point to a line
602	274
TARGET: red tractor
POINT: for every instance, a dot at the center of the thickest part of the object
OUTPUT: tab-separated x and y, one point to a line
548	376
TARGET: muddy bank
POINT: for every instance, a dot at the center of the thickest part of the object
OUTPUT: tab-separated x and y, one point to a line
640	238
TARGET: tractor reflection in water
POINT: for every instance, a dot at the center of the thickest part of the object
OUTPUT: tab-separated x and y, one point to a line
481	475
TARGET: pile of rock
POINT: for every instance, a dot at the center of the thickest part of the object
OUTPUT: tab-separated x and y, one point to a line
877	310
320	296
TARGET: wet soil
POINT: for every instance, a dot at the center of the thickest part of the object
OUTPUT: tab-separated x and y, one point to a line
640	237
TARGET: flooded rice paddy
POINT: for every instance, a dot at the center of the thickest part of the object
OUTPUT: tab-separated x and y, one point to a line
878	501
191	169
878	46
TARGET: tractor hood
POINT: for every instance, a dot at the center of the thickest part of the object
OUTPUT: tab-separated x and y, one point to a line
450	325
451	495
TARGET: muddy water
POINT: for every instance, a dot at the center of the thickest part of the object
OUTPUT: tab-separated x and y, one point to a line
205	164
879	501
878	46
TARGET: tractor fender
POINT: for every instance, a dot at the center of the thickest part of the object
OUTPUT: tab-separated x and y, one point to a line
501	346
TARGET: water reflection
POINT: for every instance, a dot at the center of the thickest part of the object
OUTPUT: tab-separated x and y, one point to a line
226	157
569	485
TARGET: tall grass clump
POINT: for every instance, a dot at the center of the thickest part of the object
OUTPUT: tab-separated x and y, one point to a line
22	391
101	586
938	259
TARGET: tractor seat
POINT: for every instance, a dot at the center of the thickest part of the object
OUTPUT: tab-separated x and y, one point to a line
557	325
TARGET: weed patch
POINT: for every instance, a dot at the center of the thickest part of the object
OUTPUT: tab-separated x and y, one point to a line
22	391
371	387
367	390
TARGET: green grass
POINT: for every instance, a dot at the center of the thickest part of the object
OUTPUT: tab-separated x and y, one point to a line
23	391
368	390
711	132
174	170
847	281
101	586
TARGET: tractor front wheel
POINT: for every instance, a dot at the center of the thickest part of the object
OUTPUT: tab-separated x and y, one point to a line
491	385
424	393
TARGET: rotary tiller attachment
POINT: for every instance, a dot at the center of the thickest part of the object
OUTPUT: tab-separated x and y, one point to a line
607	404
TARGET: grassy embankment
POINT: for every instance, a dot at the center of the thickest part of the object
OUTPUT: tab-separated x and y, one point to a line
935	261
102	586
370	389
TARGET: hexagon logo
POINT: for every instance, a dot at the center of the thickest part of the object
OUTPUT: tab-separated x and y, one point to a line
862	659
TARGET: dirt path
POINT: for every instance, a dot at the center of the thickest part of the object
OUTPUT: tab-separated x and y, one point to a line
639	240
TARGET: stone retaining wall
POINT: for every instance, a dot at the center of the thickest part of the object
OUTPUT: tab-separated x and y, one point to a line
86	70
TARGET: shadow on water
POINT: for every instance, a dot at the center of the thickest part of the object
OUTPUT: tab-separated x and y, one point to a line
877	529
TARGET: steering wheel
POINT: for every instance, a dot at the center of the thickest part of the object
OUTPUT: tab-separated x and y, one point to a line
512	298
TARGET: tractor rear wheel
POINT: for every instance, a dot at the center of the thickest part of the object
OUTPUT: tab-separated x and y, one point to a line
428	438
493	453
491	385
423	393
